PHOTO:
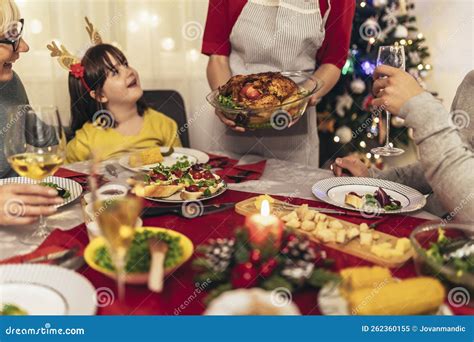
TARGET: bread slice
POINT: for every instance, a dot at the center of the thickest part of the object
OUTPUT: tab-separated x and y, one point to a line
149	156
156	190
187	195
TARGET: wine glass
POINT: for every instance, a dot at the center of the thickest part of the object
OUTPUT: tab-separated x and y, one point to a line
35	147
393	56
117	216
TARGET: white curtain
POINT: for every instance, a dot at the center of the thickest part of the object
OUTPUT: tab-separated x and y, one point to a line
161	39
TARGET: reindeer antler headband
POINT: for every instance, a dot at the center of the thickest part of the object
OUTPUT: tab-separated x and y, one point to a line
73	63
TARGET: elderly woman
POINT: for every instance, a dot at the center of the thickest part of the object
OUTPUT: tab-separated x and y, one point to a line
37	200
445	141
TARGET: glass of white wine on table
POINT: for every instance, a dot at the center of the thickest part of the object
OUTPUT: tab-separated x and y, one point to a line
35	146
117	216
393	56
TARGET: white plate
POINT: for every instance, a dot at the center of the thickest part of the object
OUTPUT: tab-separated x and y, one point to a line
74	187
194	157
334	190
46	290
176	198
331	302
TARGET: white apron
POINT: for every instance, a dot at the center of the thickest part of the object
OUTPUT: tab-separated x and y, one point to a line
277	35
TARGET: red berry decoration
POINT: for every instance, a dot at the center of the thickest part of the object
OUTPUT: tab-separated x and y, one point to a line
244	275
268	267
255	256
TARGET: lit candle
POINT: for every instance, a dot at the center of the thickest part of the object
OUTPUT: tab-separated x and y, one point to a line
264	228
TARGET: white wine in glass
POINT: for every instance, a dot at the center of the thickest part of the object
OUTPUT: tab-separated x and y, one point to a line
393	56
117	219
35	147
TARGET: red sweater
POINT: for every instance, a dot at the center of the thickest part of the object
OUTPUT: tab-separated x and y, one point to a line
223	14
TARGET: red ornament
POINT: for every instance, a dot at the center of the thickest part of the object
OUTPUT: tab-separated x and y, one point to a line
268	267
255	256
244	275
77	70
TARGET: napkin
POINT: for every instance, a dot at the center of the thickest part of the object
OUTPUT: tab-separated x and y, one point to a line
233	173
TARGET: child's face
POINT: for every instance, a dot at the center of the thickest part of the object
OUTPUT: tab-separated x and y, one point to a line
122	85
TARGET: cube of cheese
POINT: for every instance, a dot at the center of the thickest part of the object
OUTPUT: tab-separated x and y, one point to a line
290	216
301	211
341	236
376	236
403	245
353	232
363	227
321	225
309	216
327	235
308	226
396	252
335	224
365	238
295	224
381	251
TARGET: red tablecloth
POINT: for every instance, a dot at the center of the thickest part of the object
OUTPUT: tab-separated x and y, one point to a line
180	295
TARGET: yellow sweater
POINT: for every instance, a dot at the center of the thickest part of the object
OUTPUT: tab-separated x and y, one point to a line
157	130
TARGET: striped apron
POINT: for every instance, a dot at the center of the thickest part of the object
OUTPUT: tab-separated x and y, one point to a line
277	35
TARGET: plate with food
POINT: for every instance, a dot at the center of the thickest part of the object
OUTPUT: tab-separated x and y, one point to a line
44	290
374	291
446	251
265	100
149	158
180	183
369	195
68	189
138	259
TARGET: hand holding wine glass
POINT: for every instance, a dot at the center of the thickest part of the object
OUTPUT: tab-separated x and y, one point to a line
393	56
393	88
35	146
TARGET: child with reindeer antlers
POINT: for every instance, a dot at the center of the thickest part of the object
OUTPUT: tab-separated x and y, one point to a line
108	114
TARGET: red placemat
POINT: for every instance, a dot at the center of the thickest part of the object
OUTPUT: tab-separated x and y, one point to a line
233	173
181	296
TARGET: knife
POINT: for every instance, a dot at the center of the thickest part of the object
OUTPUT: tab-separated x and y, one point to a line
180	210
288	206
56	256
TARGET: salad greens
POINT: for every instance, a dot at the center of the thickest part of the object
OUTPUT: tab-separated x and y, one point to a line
454	252
228	102
63	193
138	258
12	310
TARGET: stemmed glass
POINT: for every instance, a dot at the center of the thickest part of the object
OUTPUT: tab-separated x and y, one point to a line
35	146
393	56
117	216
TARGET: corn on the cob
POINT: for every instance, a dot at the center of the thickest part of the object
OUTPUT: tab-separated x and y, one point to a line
354	278
408	297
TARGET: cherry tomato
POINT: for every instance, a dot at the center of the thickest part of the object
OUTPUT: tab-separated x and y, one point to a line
208	175
192	188
178	173
196	175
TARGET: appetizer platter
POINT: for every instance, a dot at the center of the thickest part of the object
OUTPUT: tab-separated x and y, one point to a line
138	260
265	100
149	158
355	239
388	295
369	195
178	183
68	189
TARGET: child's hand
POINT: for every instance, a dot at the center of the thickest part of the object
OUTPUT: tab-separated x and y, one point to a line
22	204
229	123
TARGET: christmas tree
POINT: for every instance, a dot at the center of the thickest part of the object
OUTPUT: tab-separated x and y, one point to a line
347	121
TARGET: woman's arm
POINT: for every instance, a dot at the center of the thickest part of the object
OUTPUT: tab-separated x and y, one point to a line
218	71
329	74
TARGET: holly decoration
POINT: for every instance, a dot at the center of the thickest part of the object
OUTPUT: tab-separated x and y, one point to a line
295	263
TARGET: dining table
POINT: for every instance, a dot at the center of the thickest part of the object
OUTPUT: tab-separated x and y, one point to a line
182	295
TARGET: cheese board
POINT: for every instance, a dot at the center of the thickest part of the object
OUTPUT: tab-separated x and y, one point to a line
354	239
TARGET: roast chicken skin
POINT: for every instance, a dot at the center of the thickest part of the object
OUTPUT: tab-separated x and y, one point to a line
262	90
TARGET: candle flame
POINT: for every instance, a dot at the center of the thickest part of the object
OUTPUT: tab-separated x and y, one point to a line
265	209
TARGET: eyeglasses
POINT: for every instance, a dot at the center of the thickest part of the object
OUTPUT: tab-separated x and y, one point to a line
13	34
